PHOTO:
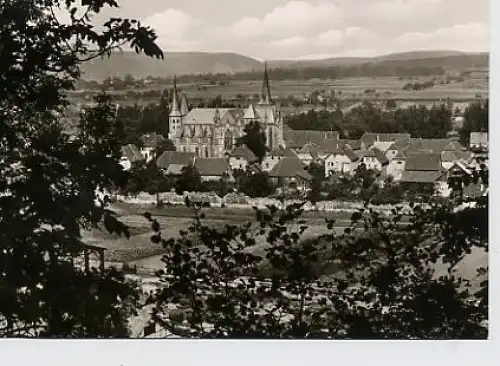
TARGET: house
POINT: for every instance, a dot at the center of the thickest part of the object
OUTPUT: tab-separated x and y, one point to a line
131	155
343	161
213	169
296	139
310	152
433	145
425	170
373	159
355	145
290	172
149	144
172	162
271	159
449	158
396	148
241	158
478	141
396	166
383	140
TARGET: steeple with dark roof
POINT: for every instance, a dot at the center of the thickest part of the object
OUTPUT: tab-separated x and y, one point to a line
174	108
184	105
265	94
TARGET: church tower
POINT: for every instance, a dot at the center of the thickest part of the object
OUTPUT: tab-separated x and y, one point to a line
265	93
175	115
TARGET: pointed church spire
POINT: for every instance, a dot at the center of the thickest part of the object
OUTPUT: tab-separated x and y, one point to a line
265	94
174	108
184	105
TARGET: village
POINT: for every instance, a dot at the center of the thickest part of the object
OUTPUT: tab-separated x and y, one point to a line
423	164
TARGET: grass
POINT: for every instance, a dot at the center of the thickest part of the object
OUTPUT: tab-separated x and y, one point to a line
462	90
139	248
140	251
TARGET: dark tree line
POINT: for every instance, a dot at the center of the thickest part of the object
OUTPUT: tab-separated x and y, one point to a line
476	119
282	73
419	121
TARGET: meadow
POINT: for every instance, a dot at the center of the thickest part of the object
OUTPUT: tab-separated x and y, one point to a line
141	251
385	88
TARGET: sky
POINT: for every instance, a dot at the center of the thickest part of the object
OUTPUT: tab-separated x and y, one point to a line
279	29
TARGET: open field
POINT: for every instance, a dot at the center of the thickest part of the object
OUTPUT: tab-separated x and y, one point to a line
387	87
139	249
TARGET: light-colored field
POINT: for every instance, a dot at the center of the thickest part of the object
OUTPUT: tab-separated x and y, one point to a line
348	87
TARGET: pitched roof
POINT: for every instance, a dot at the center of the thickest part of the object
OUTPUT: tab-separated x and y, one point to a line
266	113
382	145
174	157
400	145
423	162
204	115
290	167
282	152
211	166
369	138
420	176
374	153
311	149
354	144
250	113
479	138
432	145
152	140
184	105
332	146
132	153
174	107
174	169
265	93
295	139
474	190
400	156
380	156
244	152
350	153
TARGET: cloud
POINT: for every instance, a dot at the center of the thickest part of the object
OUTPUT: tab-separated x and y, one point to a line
331	42
293	19
470	37
171	23
174	29
272	29
404	10
361	52
290	42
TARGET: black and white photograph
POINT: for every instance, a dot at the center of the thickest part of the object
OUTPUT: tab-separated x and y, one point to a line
244	170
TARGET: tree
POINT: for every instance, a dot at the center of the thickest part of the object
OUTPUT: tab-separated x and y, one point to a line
51	185
164	145
391	104
189	181
255	139
254	184
390	276
475	120
317	172
164	113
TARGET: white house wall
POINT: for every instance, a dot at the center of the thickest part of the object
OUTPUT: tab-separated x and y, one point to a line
238	163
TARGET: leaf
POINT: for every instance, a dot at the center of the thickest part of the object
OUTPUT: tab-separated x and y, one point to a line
356	216
156	238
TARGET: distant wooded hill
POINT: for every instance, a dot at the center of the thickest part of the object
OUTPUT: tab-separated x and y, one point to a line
180	63
189	63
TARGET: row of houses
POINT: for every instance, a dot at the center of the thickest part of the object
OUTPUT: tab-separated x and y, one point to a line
396	155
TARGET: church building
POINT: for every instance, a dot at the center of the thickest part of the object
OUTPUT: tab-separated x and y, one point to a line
212	132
